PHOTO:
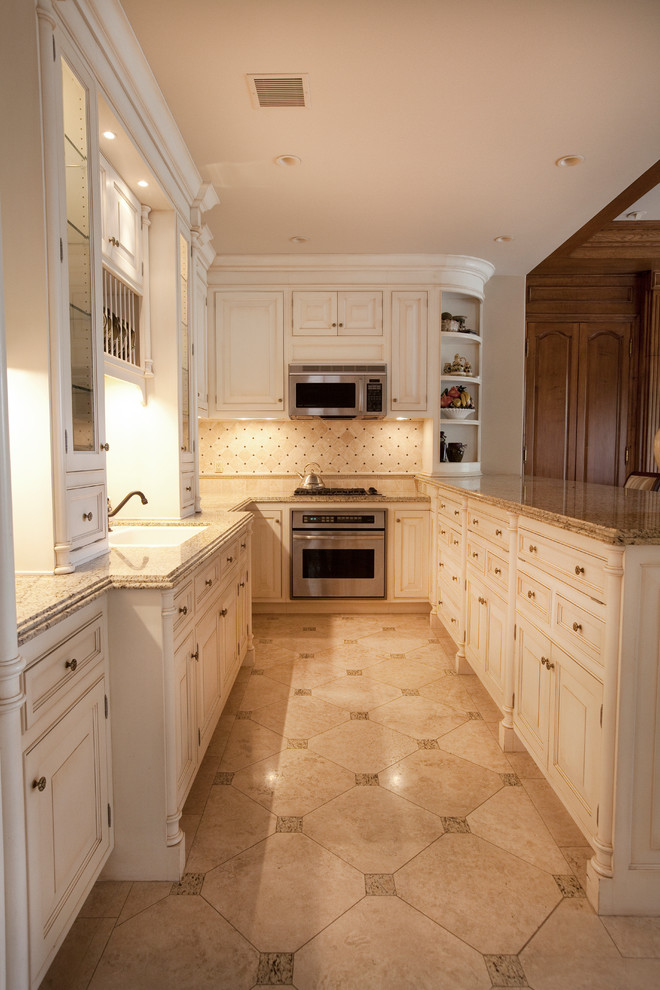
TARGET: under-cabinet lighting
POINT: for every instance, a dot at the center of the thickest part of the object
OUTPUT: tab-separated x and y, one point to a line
110	135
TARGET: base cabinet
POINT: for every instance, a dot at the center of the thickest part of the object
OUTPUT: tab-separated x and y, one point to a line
410	543
486	625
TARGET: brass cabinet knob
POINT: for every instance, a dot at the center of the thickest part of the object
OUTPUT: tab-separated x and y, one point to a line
577	627
87	517
498	532
39	785
71	664
105	446
183	609
578	569
532	548
223	612
208	582
531	594
230	560
195	655
498	570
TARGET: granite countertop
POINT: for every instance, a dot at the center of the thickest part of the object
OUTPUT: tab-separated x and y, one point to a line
42	599
291	499
607	513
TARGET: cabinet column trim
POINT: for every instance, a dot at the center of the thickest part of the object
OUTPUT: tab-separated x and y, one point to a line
507	737
174	835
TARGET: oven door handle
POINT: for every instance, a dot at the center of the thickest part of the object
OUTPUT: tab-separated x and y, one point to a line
343	536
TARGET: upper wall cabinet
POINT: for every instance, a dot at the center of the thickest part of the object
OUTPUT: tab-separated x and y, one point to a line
122	222
409	351
249	370
328	314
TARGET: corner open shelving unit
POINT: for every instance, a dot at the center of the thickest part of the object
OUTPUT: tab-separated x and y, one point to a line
466	345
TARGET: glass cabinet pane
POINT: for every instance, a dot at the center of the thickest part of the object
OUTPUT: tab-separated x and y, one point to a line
184	332
79	259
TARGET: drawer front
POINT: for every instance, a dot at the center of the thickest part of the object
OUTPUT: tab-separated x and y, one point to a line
497	570
490	527
187	489
533	597
578	567
87	514
449	614
61	669
207	581
184	603
449	509
231	554
476	555
580	627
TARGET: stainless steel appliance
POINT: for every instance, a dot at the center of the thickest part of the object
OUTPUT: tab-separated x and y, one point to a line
347	391
338	553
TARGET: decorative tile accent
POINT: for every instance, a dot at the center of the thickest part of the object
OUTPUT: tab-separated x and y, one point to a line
291	823
379	884
302	692
296	744
475	716
389	628
361	716
265	641
354	673
397	656
451	673
306	656
224	778
511	780
569	885
256	673
366	780
428	744
350	641
243	714
309	629
275	968
190	883
505	971
410	692
455	824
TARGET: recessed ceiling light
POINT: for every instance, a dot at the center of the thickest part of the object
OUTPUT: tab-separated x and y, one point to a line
502	239
299	239
636	215
288	160
569	160
143	183
110	135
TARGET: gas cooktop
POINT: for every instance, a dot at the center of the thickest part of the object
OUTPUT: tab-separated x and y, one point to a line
335	491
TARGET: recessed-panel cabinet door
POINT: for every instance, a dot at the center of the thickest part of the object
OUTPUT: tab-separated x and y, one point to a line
411	554
209	673
551	387
249	351
409	351
267	555
66	783
184	710
533	689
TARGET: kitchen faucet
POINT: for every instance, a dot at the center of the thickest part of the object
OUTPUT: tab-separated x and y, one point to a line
113	512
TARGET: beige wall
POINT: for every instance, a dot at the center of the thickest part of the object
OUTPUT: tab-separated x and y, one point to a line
504	368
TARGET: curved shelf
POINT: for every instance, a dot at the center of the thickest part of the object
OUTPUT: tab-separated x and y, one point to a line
453	335
473	379
459	422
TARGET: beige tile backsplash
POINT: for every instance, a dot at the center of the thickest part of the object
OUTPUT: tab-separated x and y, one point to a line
352	447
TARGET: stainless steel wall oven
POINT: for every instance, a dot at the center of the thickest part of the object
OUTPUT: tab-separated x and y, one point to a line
338	553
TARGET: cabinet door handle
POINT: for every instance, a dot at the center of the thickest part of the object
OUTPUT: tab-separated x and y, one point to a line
454	578
39	785
114	242
578	569
498	570
498	532
242	584
188	488
475	554
71	664
475	522
550	665
482	601
443	531
442	505
531	594
230	560
208	582
183	609
577	627
223	612
243	546
457	512
195	655
87	516
105	446
532	548
544	661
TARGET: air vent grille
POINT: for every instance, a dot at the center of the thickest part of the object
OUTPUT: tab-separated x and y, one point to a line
336	369
274	91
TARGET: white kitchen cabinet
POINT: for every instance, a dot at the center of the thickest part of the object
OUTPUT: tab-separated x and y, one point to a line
485	644
409	351
411	553
200	339
67	777
185	707
456	348
187	395
267	536
208	654
249	361
533	689
122	227
337	314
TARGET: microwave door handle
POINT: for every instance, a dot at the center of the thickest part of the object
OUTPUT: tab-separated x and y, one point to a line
361	395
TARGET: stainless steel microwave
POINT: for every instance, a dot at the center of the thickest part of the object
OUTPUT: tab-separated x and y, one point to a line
337	391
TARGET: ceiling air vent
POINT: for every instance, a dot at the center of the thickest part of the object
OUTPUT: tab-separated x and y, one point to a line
282	90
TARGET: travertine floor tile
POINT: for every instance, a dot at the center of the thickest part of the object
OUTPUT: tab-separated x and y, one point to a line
448	691
492	900
353	655
231	823
473	741
262	691
106	899
403	673
418	717
300	717
383	944
441	783
283	891
371	828
248	743
577	858
180	943
558	821
635	937
392	641
293	782
143	894
74	964
356	693
307	673
363	746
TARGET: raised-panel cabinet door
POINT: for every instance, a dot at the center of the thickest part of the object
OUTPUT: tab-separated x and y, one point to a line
68	835
411	554
577	736
315	314
495	653
551	396
200	338
249	351
360	313
533	689
208	645
122	226
409	351
184	711
475	624
267	555
230	637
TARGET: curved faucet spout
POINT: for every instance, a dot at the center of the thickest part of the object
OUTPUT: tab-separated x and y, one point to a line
113	512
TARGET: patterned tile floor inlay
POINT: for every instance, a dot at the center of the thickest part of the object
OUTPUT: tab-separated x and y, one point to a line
360	829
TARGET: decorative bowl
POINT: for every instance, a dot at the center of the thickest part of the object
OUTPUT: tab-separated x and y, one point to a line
456	412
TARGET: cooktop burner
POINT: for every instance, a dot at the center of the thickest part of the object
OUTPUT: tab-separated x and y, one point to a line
335	491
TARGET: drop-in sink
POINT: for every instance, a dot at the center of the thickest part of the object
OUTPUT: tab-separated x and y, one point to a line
152	536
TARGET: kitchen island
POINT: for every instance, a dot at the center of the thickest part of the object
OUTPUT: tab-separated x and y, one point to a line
551	592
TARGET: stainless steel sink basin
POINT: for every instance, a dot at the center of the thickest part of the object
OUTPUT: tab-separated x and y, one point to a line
152	536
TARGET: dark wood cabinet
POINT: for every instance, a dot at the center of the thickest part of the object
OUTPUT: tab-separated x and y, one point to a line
581	404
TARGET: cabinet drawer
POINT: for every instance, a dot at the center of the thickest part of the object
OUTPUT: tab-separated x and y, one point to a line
449	614
490	527
580	627
579	567
497	569
87	514
187	489
59	671
476	556
231	554
184	603
207	580
533	597
449	509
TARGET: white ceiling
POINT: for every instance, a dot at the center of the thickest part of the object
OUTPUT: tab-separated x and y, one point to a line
434	125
